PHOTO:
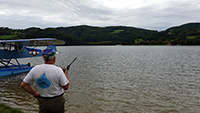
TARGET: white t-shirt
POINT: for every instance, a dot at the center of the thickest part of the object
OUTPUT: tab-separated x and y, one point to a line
49	79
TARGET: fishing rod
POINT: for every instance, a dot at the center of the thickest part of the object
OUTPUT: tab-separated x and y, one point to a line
68	67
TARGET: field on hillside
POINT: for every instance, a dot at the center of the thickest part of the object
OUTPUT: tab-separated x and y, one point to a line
7	37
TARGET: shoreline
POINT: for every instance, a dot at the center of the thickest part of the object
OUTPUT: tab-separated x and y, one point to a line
8	109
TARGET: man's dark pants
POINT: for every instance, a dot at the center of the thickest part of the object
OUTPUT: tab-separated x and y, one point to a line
51	105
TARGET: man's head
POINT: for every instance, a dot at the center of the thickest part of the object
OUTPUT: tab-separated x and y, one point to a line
48	54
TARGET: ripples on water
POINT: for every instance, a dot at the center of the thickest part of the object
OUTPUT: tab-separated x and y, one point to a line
125	79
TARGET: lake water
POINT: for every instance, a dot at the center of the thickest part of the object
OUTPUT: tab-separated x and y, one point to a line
120	79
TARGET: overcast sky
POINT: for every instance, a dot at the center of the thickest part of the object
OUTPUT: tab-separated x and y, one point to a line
147	14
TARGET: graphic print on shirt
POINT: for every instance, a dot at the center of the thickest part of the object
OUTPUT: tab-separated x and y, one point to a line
43	82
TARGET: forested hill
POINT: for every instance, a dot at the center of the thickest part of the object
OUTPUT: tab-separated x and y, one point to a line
187	34
107	35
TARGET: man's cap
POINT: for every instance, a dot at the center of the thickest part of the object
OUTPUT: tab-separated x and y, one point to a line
48	52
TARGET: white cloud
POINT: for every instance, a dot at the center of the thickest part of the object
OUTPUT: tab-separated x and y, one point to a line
149	14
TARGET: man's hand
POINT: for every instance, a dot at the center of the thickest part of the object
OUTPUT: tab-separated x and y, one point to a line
66	70
36	95
66	74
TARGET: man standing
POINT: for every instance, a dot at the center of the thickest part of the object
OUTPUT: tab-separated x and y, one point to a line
50	80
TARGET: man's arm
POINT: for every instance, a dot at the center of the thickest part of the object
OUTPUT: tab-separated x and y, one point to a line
65	87
66	75
28	89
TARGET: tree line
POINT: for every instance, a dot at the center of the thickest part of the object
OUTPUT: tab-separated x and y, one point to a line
187	34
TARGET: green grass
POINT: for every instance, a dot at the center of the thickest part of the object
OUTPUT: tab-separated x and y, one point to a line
117	31
7	109
191	37
7	36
